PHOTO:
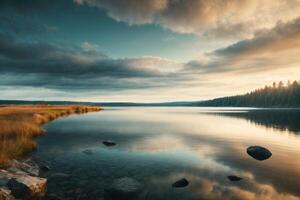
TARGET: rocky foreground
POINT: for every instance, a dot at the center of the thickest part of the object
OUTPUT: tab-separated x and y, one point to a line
21	181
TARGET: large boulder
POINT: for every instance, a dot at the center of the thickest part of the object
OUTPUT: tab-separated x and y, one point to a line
23	186
259	153
123	189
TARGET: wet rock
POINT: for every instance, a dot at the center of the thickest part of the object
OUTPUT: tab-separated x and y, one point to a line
26	167
5	194
45	168
123	189
234	178
180	183
259	153
19	189
87	152
109	143
23	186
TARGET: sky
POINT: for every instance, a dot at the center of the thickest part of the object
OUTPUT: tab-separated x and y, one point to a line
145	50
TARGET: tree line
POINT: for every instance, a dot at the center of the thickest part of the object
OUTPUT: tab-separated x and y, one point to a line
277	95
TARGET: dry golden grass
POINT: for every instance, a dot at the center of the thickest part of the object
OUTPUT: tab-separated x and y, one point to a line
20	124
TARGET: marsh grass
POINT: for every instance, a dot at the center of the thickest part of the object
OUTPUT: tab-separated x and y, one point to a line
19	125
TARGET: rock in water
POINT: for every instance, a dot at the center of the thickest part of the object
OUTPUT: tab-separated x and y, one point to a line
180	183
259	153
234	178
109	143
123	189
45	168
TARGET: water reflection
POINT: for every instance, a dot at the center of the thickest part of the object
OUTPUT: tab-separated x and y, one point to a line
282	119
158	146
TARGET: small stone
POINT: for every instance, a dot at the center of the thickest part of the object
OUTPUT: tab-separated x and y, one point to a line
234	178
259	153
180	183
123	189
109	143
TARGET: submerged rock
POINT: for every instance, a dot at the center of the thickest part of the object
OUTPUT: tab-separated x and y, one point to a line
23	186
123	189
87	152
259	153
45	168
109	143
180	183
234	178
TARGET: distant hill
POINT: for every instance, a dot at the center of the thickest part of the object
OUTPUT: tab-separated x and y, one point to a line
113	104
277	95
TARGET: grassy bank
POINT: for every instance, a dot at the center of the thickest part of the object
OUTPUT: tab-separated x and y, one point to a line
20	124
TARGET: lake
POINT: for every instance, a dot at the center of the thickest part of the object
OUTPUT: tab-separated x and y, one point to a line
157	146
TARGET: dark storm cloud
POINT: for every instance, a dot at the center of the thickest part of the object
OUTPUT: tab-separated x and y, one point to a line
72	83
52	66
45	58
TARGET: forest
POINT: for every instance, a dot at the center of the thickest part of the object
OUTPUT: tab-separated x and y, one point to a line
276	95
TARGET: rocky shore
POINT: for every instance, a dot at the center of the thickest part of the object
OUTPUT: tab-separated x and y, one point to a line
21	181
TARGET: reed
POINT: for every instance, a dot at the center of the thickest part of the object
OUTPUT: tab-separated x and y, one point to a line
19	125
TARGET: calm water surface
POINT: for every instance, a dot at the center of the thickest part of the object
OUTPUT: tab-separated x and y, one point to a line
158	146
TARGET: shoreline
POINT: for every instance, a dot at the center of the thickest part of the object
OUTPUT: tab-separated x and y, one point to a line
19	126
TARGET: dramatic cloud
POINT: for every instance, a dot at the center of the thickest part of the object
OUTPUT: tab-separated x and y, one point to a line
218	18
59	47
52	66
268	49
82	67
